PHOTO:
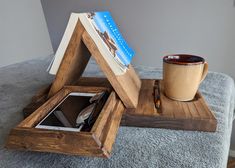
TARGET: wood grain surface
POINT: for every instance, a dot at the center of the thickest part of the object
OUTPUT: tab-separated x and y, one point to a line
193	115
74	61
97	142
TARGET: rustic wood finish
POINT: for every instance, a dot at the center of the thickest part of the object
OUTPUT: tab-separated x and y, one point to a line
98	142
193	115
74	61
127	86
110	130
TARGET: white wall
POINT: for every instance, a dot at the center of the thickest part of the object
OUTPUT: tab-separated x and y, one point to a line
23	31
155	28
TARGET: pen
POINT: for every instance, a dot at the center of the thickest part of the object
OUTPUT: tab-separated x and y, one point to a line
157	100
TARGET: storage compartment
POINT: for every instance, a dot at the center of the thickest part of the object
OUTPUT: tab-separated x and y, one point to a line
46	130
77	112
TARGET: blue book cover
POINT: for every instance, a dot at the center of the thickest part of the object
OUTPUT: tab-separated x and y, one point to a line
111	36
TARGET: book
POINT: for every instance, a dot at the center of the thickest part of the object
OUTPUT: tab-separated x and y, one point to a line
104	32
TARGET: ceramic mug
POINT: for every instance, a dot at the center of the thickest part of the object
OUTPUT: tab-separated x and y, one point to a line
182	75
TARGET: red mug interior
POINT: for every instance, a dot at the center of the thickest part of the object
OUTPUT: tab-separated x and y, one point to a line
183	59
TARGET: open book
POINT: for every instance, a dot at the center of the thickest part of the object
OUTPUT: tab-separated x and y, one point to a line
104	32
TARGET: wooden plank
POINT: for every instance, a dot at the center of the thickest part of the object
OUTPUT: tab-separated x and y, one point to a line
178	111
146	104
74	61
43	110
101	121
42	140
127	86
167	104
111	129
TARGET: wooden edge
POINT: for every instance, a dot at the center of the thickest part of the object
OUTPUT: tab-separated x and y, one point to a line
88	89
104	114
65	142
110	131
132	120
135	78
43	110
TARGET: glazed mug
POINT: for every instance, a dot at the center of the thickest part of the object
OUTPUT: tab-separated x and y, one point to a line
182	75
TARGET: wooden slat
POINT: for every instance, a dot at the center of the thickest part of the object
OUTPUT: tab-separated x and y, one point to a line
111	129
54	141
74	61
146	95
167	110
185	108
193	110
101	121
43	110
179	111
127	86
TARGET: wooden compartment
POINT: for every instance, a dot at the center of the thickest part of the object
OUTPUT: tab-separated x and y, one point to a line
193	115
97	142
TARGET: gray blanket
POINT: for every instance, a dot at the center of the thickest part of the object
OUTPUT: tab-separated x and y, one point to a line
134	147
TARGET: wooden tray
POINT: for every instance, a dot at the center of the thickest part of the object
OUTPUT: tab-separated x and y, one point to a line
194	115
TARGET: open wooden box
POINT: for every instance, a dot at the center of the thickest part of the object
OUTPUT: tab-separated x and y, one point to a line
130	102
97	142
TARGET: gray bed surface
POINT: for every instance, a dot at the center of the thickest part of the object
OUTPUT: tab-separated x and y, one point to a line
134	147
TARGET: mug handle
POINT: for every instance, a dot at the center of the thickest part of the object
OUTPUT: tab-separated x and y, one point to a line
205	71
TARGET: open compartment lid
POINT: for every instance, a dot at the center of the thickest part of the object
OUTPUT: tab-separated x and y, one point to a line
79	42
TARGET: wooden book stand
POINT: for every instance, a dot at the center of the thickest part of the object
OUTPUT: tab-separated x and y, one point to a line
76	57
131	104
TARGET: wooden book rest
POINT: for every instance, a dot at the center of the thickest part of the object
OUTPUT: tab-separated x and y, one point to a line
76	57
131	104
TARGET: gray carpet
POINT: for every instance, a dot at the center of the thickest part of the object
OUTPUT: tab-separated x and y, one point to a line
134	147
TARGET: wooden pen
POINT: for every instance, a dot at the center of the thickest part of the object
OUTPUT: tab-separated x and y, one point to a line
157	100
